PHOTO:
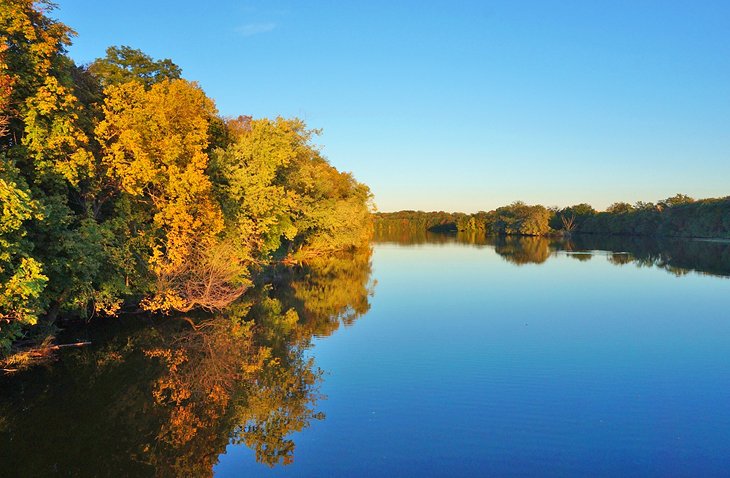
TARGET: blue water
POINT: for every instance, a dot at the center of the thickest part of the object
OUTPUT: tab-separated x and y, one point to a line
470	365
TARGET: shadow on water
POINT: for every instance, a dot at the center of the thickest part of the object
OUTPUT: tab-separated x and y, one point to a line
164	397
676	256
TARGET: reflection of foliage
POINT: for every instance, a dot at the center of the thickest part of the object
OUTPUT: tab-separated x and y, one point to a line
581	256
94	403
279	402
523	250
173	397
331	290
677	256
203	366
620	258
407	235
166	398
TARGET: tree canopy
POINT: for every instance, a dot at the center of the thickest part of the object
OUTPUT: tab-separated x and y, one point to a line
122	186
123	64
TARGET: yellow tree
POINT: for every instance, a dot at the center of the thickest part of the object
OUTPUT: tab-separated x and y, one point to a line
39	108
154	146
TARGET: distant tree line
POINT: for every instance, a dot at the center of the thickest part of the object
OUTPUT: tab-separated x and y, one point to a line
418	220
677	216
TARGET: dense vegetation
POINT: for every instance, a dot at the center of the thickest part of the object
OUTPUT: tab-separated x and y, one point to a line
678	216
121	185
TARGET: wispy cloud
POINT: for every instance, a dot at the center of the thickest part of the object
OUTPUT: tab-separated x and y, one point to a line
251	29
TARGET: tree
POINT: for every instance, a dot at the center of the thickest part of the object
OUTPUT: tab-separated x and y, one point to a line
123	64
568	220
278	191
47	154
154	145
619	208
109	194
676	200
334	210
21	279
249	177
574	216
520	219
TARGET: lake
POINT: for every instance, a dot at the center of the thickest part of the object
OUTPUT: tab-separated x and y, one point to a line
431	355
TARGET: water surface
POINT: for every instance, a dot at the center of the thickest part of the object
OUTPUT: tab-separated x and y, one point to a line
436	356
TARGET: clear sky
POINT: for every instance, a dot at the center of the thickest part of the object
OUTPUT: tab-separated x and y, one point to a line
463	105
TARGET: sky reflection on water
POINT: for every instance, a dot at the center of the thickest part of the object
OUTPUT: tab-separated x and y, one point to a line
534	361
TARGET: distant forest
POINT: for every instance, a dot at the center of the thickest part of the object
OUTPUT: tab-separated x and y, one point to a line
677	216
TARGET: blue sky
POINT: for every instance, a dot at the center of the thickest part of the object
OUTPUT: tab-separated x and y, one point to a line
463	105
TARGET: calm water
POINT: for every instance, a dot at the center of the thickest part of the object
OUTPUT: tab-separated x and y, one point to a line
434	356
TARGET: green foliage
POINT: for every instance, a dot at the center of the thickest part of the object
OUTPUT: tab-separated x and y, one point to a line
250	181
571	217
619	208
120	184
123	64
677	216
415	221
277	192
517	218
520	219
676	200
335	209
30	55
22	281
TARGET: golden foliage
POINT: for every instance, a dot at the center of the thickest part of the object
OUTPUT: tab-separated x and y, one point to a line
154	148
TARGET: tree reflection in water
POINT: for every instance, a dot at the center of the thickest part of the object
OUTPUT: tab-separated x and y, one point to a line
165	397
676	256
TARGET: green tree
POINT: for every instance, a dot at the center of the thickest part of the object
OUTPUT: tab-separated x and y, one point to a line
21	279
123	64
278	192
520	219
47	149
676	200
571	217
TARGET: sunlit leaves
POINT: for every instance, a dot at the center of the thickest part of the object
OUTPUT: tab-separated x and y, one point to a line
110	196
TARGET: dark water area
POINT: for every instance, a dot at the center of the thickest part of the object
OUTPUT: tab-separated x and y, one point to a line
431	355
